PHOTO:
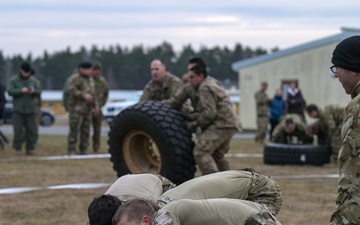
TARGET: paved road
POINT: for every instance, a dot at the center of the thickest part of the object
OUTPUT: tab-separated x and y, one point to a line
64	130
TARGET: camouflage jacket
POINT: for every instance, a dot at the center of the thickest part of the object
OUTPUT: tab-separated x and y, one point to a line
23	103
79	85
351	128
154	91
162	218
262	103
185	93
299	136
215	107
330	119
102	90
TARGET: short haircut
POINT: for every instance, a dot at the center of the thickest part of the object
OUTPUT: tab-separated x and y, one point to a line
197	61
198	69
160	60
135	210
311	107
102	209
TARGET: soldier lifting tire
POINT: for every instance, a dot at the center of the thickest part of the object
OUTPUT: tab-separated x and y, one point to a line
150	136
296	154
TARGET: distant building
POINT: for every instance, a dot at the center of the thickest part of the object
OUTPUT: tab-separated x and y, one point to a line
307	64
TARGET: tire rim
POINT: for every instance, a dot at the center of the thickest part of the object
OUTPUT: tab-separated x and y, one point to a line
141	153
46	120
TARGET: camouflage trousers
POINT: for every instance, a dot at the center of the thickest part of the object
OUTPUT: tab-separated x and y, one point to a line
218	211
96	124
348	199
244	184
262	128
79	125
210	148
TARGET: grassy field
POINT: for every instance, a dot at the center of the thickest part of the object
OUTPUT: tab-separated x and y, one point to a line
306	201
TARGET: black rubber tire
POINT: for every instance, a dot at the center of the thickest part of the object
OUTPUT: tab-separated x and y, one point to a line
287	154
166	128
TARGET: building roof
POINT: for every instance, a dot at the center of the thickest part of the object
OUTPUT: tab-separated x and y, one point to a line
346	32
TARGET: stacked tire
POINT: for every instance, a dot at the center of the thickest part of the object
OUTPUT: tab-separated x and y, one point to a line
152	137
287	154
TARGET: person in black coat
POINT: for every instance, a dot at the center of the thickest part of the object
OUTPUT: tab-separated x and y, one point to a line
295	102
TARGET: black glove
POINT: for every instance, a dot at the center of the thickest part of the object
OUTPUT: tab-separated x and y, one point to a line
192	126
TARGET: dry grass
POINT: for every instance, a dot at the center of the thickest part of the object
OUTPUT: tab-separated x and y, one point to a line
306	201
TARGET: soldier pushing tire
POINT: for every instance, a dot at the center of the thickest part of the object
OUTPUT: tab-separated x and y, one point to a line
151	137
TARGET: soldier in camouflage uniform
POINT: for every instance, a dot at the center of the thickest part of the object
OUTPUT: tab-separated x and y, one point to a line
262	112
188	93
346	61
217	211
81	103
291	130
163	84
127	187
215	123
244	184
102	92
329	124
23	88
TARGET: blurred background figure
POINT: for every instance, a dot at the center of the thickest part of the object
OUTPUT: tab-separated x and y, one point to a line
3	139
185	78
277	110
291	130
81	103
295	103
102	93
24	88
262	111
329	123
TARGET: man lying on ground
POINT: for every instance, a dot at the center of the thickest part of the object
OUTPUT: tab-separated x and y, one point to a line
217	211
246	184
147	186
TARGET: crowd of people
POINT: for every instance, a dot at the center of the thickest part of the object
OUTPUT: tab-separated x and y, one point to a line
335	126
287	120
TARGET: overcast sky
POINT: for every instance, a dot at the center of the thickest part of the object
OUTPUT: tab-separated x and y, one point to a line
33	26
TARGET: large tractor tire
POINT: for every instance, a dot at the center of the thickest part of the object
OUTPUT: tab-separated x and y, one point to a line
287	154
151	137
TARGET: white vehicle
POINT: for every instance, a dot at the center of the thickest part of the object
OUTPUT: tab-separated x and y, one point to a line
112	109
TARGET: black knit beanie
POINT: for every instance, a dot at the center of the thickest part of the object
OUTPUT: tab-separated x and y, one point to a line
25	67
347	54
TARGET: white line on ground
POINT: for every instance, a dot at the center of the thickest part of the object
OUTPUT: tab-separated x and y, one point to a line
100	156
15	190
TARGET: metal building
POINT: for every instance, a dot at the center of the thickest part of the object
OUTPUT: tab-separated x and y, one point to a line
307	65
